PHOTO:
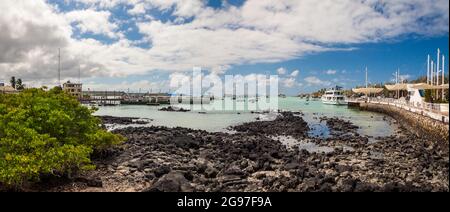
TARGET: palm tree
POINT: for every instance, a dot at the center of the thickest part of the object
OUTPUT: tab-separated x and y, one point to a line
19	85
13	82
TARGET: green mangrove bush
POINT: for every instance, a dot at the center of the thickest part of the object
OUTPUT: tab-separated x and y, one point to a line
47	133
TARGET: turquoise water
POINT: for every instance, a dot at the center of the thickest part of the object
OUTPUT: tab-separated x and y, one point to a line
372	124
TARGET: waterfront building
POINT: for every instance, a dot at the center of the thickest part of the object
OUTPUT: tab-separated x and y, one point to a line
74	89
104	97
7	89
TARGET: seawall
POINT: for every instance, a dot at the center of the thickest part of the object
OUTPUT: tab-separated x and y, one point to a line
421	126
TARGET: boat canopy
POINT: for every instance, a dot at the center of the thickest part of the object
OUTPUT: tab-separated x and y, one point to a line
424	86
397	87
368	90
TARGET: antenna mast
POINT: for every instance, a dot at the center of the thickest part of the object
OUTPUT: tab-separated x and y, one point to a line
367	78
59	67
79	74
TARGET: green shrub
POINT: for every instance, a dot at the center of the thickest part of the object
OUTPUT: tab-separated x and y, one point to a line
47	133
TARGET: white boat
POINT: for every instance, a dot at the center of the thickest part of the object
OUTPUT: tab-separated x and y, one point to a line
334	96
91	105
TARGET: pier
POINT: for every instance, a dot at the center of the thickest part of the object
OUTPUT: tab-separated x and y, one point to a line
104	98
113	98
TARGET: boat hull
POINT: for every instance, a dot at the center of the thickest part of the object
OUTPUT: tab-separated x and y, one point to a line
334	102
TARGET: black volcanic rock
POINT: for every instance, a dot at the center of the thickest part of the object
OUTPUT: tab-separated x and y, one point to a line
285	124
123	120
173	109
180	159
171	182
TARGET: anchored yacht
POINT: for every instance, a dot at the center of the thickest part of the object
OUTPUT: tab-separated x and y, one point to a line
334	96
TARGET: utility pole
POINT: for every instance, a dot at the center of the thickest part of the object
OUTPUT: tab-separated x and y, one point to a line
79	74
432	73
396	76
428	70
59	67
399	82
437	66
367	78
443	77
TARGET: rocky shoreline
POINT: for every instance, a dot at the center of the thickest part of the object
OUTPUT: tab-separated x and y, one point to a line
251	159
174	109
109	120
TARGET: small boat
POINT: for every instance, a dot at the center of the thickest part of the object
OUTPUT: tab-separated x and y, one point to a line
240	99
91	105
153	104
253	100
334	96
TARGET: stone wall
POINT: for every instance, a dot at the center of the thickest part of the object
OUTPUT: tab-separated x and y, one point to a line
420	125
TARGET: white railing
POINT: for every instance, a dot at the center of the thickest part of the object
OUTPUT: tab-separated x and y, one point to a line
436	111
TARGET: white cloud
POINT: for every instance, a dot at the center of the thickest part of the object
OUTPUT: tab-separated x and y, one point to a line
289	82
96	22
281	71
295	73
137	9
331	72
402	78
260	31
179	79
142	86
215	84
103	4
314	81
405	77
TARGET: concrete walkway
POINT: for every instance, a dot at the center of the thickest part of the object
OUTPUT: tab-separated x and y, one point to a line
434	114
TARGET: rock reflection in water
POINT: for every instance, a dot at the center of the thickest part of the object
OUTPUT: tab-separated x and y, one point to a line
319	130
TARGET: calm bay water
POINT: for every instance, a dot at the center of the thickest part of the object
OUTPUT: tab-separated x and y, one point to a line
372	124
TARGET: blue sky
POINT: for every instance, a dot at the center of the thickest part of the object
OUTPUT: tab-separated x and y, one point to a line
382	60
145	44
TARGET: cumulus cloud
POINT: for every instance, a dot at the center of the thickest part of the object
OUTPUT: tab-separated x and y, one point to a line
259	31
402	78
217	85
405	77
281	71
141	85
137	9
289	82
331	72
313	81
96	22
295	73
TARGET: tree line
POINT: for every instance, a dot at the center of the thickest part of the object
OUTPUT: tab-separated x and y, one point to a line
17	83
